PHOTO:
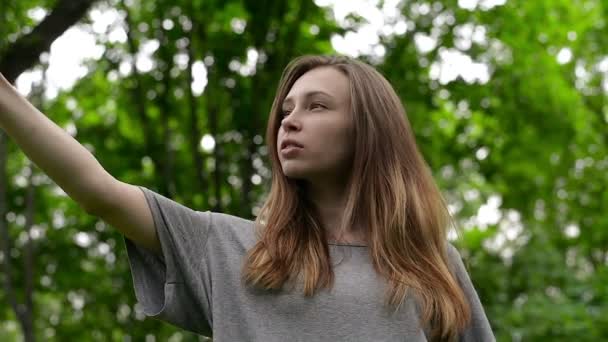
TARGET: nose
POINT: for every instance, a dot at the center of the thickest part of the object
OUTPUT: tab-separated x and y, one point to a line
290	123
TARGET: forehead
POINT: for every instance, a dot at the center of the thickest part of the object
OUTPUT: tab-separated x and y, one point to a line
323	79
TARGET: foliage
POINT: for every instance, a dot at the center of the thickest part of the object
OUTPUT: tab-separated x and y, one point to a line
525	147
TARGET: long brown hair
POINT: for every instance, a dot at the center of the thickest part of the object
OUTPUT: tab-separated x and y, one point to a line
404	213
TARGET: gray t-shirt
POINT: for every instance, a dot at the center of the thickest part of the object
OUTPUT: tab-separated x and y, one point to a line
196	285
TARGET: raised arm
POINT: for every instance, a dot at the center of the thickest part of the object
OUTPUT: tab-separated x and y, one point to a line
75	169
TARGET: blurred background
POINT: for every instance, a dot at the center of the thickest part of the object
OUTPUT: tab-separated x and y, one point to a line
507	99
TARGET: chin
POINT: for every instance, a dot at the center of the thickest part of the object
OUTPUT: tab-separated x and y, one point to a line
294	174
294	171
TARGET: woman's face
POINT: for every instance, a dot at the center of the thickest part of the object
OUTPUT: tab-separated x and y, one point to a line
314	140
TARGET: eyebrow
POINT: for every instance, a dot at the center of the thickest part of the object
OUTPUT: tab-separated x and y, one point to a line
308	95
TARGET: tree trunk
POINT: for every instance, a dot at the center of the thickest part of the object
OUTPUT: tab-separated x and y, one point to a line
139	99
28	261
195	132
165	63
217	154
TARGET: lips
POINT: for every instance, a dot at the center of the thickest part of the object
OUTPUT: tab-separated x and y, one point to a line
289	143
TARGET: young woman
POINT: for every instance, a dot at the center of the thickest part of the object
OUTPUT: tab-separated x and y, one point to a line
350	244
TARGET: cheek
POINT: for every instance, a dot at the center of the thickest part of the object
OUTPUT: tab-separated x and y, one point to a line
334	147
276	138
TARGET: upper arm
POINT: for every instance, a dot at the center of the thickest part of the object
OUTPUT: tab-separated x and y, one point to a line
127	210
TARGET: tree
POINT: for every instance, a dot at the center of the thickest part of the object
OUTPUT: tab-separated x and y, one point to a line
16	58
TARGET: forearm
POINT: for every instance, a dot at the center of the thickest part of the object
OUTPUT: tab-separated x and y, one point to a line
52	149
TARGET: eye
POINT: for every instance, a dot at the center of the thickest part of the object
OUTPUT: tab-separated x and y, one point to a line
317	105
285	112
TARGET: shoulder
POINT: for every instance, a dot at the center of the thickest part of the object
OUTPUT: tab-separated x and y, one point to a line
231	229
227	220
452	251
454	259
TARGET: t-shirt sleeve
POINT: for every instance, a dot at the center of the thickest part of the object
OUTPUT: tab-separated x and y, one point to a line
479	328
174	286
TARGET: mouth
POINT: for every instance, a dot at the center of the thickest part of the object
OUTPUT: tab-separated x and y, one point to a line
289	144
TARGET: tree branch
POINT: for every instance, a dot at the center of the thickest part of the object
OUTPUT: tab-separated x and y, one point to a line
24	53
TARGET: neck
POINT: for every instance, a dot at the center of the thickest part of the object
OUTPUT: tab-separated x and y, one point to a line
329	199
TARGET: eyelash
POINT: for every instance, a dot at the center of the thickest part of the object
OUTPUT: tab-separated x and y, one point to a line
287	112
